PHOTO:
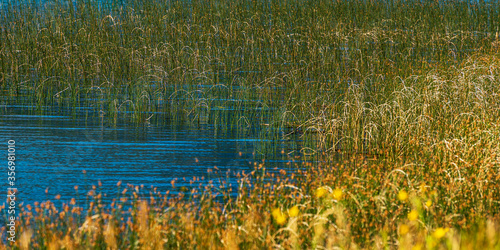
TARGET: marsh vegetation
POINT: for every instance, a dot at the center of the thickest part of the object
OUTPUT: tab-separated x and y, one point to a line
399	98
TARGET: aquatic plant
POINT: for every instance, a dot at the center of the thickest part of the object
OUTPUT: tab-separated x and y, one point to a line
273	63
399	99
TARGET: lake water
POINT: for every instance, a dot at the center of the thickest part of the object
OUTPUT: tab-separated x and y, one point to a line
54	150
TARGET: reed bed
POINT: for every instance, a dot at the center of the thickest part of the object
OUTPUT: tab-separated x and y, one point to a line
276	62
400	99
446	196
439	190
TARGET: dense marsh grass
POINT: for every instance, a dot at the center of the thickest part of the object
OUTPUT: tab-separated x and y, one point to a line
445	195
400	97
287	58
438	190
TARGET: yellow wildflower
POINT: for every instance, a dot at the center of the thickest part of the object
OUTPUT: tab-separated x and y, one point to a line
428	203
278	216
276	212
320	192
293	212
337	194
440	232
418	246
404	229
402	195
413	215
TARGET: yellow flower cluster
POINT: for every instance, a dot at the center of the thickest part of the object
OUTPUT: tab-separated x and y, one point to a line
440	232
321	192
278	216
293	212
337	194
413	215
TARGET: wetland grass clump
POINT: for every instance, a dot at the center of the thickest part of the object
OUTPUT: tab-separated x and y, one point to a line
401	97
207	61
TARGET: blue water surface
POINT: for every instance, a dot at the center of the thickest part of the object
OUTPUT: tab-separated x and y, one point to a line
58	151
